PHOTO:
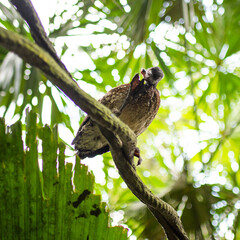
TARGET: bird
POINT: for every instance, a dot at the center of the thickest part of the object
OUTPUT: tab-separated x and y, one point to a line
135	103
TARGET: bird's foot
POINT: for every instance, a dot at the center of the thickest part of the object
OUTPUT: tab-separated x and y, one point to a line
137	154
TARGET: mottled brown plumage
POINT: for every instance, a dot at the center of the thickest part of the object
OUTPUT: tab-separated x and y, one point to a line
135	103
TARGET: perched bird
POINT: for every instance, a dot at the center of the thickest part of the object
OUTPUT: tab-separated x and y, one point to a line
135	103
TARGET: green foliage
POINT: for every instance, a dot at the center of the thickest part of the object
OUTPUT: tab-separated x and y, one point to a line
191	150
55	203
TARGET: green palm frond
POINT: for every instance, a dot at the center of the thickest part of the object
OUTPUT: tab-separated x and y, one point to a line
47	199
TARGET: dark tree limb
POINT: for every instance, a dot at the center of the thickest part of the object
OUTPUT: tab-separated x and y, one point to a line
36	56
107	121
28	13
164	213
109	124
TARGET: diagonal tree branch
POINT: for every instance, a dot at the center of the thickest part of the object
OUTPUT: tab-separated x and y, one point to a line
108	123
163	212
27	11
36	56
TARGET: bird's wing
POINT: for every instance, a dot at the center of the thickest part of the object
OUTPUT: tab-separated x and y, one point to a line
89	140
112	100
116	98
84	122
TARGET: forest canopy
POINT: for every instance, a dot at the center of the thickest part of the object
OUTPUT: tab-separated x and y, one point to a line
191	150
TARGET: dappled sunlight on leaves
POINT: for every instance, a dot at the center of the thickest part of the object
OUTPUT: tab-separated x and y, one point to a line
191	150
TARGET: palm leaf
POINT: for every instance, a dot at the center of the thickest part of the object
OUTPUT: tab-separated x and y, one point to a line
45	204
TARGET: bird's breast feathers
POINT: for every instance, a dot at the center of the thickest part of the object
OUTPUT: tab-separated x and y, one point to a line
139	113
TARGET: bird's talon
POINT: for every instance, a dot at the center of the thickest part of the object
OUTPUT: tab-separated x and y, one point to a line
139	161
137	154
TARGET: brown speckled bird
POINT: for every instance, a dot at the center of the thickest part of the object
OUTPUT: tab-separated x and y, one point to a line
135	103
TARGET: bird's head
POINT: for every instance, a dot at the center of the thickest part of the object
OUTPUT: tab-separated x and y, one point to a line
152	75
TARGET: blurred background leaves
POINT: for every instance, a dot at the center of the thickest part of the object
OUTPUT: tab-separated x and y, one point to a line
191	150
